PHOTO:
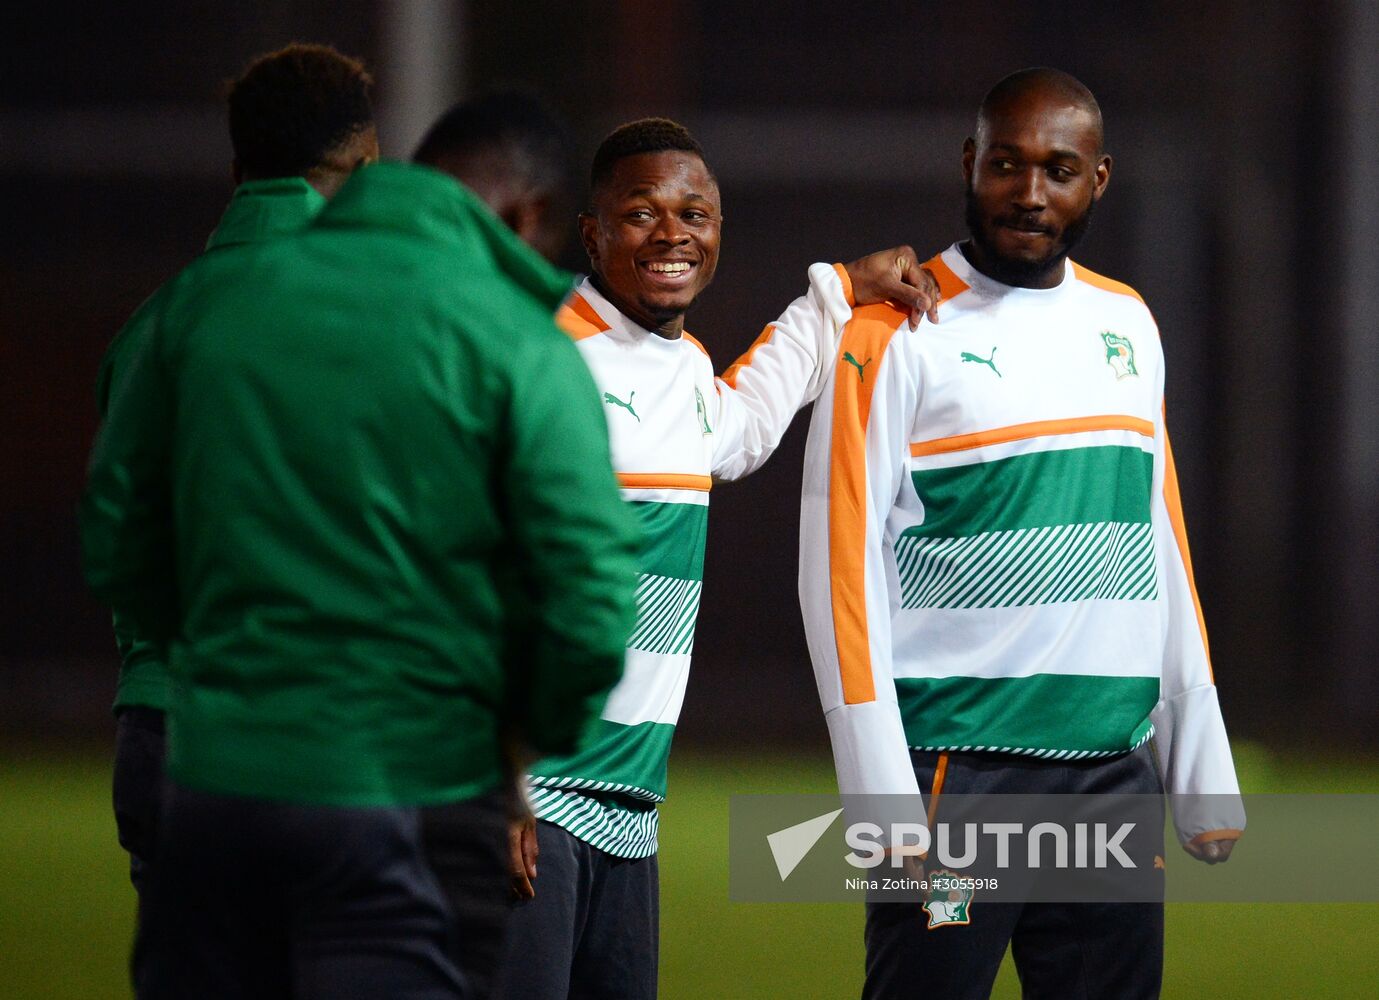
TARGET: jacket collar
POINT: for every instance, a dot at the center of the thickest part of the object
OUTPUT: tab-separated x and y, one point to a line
261	210
430	205
622	326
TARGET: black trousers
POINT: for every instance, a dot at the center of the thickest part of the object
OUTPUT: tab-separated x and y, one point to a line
137	793
467	848
258	899
1062	951
593	930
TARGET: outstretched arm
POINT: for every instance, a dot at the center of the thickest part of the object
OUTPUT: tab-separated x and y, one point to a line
786	367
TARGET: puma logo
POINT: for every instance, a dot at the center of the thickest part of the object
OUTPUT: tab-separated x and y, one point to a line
989	362
859	365
608	397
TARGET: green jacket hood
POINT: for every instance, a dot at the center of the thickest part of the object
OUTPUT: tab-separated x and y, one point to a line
425	202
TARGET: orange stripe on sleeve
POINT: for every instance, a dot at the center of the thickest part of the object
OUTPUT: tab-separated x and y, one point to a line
949	284
865	339
1038	428
1174	502
730	376
1104	283
664	481
578	318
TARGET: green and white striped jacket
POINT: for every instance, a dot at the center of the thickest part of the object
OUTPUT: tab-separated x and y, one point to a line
674	428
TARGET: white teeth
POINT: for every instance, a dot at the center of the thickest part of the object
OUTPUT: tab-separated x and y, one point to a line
670	267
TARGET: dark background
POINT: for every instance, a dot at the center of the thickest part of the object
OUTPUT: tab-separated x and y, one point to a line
1244	206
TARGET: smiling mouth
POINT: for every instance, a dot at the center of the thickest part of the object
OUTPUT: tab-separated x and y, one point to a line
669	272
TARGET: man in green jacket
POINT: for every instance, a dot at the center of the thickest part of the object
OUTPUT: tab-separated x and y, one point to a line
338	475
300	122
516	154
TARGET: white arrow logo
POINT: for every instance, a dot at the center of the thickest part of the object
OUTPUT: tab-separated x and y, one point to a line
789	846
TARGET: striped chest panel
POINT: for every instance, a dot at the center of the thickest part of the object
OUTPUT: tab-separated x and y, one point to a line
1022	558
655	394
1031	459
1034	527
672	576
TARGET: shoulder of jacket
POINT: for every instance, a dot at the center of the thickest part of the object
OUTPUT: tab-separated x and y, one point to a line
873	327
1099	281
578	318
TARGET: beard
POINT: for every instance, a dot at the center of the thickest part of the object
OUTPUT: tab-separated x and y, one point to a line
1019	271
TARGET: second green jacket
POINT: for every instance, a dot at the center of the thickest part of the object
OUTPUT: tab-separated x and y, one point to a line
363	484
259	211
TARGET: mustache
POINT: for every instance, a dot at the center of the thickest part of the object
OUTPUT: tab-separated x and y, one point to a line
1016	271
1023	221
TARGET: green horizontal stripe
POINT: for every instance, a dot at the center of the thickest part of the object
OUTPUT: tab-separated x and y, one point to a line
633	757
675	537
1071	486
1041	712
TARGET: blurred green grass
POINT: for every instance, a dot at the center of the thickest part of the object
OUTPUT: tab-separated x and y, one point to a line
66	909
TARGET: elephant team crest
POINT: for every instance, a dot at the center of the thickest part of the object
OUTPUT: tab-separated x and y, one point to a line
949	900
1120	354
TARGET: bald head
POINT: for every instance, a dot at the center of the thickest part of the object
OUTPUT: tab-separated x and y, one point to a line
1034	170
1040	86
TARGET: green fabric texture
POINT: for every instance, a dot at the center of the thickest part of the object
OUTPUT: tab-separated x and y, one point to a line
1028	491
398	533
630	760
258	211
676	534
1054	712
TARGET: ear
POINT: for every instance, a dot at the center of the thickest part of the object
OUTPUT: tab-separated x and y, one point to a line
1101	176
969	157
589	236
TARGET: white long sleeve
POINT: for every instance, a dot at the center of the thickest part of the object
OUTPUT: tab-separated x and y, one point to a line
1190	735
853	467
784	369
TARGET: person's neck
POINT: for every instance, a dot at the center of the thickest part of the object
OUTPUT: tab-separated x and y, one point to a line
1046	278
670	329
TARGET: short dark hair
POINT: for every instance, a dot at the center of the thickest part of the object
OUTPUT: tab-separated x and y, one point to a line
514	122
645	135
289	109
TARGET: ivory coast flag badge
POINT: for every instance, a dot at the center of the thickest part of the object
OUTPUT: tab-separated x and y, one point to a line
1120	354
948	900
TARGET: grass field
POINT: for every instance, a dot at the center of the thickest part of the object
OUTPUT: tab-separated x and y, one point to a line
66	908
